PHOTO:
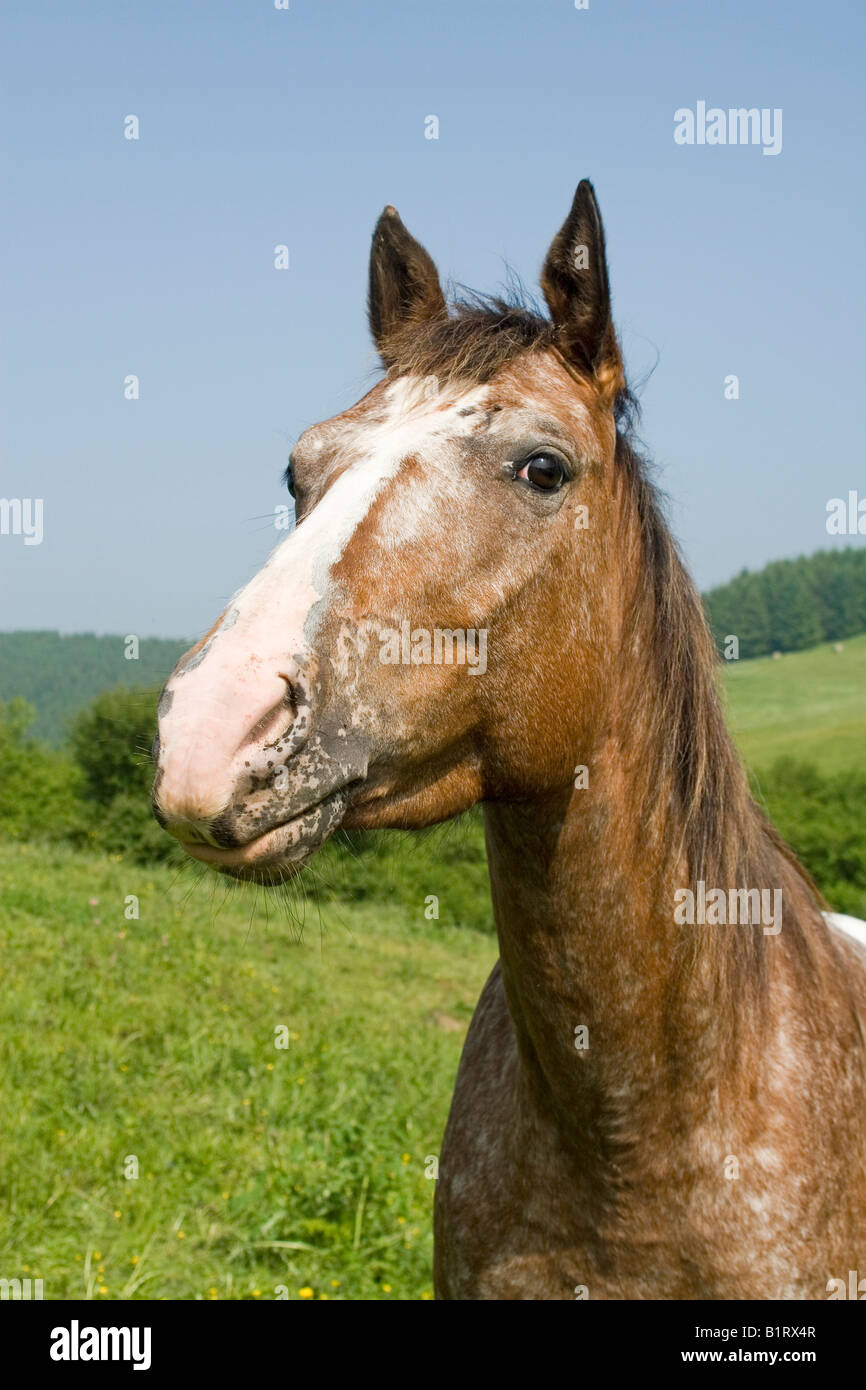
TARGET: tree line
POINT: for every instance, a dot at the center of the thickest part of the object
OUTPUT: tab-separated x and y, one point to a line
791	604
93	794
786	606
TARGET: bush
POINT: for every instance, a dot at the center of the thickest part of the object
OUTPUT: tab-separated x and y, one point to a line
100	798
822	819
39	787
447	862
111	740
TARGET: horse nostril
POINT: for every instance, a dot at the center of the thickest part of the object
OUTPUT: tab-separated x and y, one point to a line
154	747
275	726
291	696
218	746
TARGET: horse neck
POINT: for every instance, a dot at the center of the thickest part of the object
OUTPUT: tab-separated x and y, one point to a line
583	886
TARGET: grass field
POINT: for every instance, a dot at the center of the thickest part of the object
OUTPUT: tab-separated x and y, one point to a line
809	705
262	1171
148	1044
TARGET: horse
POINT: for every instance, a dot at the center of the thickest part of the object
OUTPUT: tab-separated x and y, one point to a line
661	1092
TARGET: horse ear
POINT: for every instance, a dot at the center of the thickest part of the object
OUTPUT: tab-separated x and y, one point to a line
575	284
404	285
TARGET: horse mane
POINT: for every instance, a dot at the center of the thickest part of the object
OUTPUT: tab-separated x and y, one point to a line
473	340
726	839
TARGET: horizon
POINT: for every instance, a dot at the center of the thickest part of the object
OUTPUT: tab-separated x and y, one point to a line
193	637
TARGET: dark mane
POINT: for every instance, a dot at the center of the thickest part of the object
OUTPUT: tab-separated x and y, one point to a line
478	337
726	839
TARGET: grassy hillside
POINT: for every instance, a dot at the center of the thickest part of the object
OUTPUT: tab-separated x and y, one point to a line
809	705
154	1039
59	674
150	1041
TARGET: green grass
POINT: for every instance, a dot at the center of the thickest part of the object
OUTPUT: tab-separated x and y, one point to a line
262	1169
809	705
258	1167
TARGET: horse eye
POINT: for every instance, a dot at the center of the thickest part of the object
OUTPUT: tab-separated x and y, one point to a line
290	478
544	471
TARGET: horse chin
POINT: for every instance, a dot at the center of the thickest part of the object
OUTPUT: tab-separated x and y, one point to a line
281	852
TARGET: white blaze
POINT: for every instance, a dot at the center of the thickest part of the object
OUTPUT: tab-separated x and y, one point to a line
242	677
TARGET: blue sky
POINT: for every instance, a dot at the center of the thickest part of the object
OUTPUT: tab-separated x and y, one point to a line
260	127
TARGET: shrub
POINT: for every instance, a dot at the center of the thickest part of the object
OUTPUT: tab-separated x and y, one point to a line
822	819
39	786
111	740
